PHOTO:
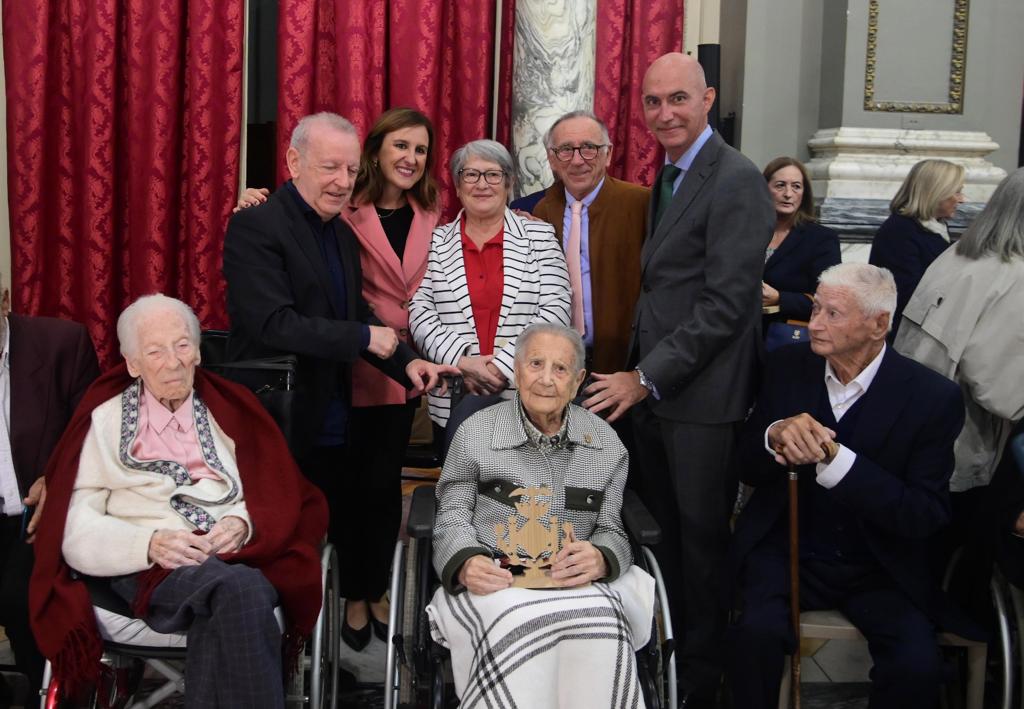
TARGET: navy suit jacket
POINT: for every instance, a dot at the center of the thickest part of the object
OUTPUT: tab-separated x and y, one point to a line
898	488
52	364
907	249
794	268
280	301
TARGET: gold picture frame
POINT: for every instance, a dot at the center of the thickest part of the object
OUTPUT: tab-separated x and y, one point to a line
957	67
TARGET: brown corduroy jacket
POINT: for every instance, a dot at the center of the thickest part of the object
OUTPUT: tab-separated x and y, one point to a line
617	224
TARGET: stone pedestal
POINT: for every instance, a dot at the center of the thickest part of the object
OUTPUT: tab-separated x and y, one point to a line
856	171
552	74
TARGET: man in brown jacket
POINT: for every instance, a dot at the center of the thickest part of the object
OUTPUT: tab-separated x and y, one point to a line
612	220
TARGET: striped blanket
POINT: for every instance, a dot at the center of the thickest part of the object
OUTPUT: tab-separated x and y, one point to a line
547	648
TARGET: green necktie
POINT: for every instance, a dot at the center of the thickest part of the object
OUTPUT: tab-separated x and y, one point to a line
669	173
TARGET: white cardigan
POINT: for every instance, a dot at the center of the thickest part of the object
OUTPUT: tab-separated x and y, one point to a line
536	289
116	507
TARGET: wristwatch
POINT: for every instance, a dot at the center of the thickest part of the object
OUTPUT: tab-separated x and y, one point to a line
644	381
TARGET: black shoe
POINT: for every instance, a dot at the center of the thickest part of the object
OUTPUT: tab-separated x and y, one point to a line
355	639
380	628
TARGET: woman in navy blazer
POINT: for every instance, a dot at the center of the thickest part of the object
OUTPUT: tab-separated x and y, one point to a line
800	248
915	233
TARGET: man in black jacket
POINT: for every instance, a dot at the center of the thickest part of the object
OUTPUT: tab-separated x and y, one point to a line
295	286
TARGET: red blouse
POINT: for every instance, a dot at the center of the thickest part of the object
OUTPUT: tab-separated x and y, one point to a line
485	278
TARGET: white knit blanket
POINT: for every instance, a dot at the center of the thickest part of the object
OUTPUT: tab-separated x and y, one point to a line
547	648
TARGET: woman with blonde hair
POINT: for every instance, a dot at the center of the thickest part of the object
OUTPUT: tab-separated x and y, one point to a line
915	233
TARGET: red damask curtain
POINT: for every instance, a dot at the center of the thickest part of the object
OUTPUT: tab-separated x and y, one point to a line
359	58
630	35
123	125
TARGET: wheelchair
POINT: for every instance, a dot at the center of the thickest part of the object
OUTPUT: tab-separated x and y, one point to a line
130	647
415	665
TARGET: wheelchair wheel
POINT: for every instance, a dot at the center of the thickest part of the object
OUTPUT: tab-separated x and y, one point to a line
661	667
316	684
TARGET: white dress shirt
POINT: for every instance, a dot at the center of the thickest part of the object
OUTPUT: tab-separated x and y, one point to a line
840	397
8	480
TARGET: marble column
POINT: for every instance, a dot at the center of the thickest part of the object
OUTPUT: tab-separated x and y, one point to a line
856	171
552	74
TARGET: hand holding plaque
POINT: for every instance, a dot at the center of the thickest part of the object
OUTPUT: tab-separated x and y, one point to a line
532	538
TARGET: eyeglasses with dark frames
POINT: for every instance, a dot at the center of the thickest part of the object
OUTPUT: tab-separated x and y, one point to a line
587	151
491	177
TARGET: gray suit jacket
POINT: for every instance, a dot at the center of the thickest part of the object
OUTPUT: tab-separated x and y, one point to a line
696	331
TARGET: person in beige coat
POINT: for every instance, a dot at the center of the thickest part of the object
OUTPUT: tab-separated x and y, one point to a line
966	322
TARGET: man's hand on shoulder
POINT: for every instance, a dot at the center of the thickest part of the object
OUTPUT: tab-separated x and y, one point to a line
426	376
250	197
383	341
800	440
615	393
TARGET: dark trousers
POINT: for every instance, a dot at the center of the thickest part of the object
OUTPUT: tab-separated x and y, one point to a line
15	570
907	664
363	485
234	641
685	477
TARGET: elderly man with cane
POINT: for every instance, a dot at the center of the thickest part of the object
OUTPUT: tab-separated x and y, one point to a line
870	434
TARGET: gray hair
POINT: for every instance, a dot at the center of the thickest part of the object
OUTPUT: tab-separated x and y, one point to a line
300	134
550	134
999	229
128	321
548	328
490	150
872	287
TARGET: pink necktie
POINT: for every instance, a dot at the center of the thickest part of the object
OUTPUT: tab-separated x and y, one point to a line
573	261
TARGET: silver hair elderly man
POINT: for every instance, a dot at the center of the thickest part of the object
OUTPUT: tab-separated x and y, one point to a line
871	435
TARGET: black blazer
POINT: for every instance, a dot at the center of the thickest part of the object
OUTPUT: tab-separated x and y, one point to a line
899	485
907	249
794	268
52	364
696	328
280	301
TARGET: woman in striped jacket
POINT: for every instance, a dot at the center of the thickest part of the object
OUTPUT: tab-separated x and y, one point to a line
490	273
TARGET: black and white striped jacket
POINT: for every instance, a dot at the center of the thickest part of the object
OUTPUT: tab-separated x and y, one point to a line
536	289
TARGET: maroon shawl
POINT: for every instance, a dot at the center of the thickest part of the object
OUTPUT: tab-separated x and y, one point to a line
289	517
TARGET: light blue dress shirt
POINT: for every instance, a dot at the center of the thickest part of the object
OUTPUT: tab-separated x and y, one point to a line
686	159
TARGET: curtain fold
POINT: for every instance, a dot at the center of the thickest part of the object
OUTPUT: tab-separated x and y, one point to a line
359	59
630	35
123	153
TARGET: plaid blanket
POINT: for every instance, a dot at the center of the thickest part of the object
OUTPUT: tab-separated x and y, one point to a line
547	648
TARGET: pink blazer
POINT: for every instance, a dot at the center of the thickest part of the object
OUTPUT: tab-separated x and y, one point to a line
388	286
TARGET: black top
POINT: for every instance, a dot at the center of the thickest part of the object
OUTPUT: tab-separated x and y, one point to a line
396	223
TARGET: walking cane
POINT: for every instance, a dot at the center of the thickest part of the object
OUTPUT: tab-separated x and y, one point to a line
830	448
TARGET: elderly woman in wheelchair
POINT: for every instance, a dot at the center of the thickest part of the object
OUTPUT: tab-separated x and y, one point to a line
570	645
177	487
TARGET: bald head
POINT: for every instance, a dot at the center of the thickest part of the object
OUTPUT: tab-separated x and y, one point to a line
676	101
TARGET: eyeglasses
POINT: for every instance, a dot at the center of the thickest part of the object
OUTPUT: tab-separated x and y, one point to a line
491	177
587	151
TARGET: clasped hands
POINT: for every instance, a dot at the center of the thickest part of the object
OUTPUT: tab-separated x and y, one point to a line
172	548
801	440
576	564
481	376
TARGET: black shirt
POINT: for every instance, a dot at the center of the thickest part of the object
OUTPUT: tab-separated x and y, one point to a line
396	223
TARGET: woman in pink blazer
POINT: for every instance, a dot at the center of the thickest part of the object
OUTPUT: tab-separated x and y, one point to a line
393	211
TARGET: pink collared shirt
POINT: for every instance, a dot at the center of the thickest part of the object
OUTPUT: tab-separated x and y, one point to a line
170	435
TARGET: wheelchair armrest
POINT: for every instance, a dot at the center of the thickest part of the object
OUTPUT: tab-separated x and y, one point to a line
421	513
640	525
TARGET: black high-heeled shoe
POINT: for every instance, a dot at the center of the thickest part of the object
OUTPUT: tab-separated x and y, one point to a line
355	639
380	628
